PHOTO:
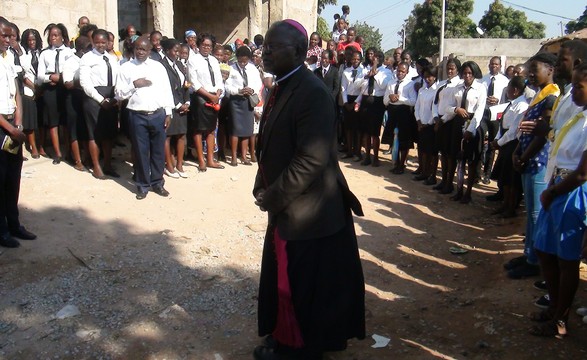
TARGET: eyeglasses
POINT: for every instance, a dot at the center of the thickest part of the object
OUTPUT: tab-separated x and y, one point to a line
206	46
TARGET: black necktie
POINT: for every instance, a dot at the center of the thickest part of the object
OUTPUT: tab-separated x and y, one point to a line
371	85
57	61
439	90
211	72
109	69
396	90
464	99
354	74
245	76
35	61
491	88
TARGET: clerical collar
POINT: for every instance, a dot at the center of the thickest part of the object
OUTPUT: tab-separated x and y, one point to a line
288	75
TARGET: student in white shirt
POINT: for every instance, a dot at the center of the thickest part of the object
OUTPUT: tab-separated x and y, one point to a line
351	85
560	228
400	98
508	180
372	107
74	101
207	90
144	82
425	120
467	107
443	124
98	74
243	83
50	68
32	44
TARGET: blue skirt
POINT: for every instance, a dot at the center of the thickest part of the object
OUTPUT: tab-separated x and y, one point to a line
559	230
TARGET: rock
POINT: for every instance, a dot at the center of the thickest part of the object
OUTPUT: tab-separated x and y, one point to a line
174	312
68	311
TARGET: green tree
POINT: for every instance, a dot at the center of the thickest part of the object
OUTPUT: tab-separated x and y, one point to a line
580	23
424	40
507	23
323	28
322	4
371	35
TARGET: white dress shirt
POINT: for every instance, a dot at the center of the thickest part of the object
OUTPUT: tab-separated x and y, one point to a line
235	81
565	109
407	93
423	109
148	98
572	145
199	73
476	98
511	119
71	69
7	86
382	78
47	62
29	72
445	98
352	85
500	82
336	34
93	72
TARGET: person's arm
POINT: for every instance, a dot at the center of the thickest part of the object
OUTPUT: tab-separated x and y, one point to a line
538	142
315	130
233	86
408	95
568	184
124	85
335	84
344	84
42	76
388	91
479	109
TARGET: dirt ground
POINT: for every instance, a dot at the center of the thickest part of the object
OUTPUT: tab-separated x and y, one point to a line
176	278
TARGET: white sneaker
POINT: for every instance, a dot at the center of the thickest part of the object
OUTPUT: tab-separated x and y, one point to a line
182	174
171	174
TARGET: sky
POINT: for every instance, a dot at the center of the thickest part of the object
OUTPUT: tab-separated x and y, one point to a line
389	15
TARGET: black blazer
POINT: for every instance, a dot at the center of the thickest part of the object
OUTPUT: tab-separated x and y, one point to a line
180	94
155	55
331	80
306	194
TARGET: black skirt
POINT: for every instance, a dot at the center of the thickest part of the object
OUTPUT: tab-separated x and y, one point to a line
426	139
503	170
54	112
402	117
178	124
204	117
29	113
442	137
327	288
351	117
371	115
101	124
241	116
76	123
469	150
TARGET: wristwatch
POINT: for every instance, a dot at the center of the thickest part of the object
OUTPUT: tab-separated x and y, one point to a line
19	127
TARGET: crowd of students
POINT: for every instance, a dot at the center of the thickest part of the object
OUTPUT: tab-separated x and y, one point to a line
167	95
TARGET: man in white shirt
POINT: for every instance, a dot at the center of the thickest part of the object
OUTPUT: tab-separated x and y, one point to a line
495	83
10	155
144	82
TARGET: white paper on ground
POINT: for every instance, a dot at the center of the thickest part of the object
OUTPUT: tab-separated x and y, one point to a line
380	341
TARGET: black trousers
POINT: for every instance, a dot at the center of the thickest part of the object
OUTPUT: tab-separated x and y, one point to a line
10	167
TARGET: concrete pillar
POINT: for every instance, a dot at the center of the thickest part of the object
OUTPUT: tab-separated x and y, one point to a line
111	17
255	18
163	16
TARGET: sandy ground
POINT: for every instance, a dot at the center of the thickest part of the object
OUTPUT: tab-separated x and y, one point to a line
176	278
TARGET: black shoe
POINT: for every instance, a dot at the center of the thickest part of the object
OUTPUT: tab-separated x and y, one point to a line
367	161
111	173
420	177
540	285
515	262
524	271
543	302
23	234
57	160
498	196
438	187
141	195
430	181
160	190
8	241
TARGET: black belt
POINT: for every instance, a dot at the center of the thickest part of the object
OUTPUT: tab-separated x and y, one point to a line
8	116
144	112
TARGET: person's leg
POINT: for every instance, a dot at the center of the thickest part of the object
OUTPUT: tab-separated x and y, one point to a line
210	142
42	137
244	148
75	153
168	158
367	144
32	142
54	134
139	136
95	155
199	150
233	146
471	179
375	143
12	189
180	149
567	287
157	138
252	147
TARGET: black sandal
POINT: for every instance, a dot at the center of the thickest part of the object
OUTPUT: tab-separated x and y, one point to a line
553	328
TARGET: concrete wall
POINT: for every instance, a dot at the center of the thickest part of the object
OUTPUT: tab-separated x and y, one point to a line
37	14
512	51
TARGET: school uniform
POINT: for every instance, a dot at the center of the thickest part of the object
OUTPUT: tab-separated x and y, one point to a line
400	114
496	86
444	96
181	96
372	107
351	85
74	101
472	99
98	73
423	114
241	112
204	73
51	61
147	106
30	63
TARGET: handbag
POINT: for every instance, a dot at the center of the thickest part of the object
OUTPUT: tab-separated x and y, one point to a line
253	100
